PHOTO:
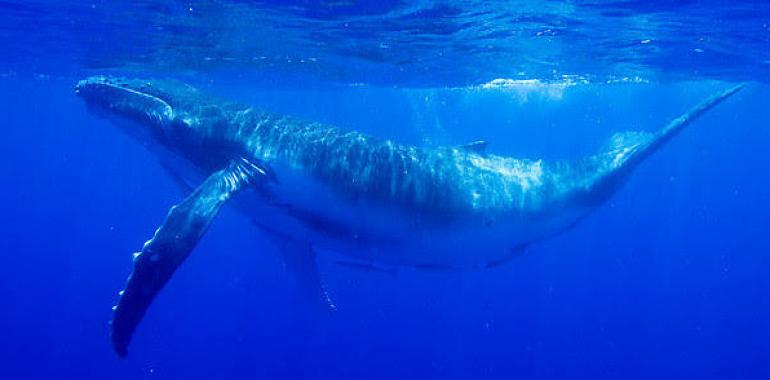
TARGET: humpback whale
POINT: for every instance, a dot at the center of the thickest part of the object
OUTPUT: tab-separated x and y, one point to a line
309	186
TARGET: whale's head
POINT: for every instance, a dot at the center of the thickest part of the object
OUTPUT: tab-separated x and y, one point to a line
153	109
161	113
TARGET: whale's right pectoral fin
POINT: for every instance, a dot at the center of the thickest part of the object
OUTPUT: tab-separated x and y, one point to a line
172	243
299	258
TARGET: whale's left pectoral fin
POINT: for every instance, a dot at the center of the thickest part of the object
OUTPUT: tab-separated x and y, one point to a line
172	243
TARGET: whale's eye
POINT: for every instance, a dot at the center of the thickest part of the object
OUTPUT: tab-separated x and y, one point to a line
182	123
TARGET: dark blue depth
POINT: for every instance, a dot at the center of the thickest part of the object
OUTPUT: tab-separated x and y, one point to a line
668	280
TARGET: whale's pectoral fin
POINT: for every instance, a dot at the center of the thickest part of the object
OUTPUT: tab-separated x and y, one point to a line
299	257
172	243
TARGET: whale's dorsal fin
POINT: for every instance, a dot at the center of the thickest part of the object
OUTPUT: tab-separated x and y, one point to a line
172	243
478	147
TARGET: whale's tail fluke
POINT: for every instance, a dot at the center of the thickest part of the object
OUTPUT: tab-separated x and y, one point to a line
626	150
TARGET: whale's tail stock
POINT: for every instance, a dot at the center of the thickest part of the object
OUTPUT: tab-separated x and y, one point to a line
626	150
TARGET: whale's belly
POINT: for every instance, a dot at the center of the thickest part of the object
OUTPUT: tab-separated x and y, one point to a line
300	207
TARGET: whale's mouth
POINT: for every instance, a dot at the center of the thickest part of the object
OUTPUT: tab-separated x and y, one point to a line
91	87
126	98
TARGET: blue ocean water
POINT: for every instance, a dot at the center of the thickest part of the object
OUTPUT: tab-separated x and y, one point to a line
667	280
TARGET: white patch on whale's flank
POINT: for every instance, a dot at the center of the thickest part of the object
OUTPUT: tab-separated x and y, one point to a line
519	181
527	174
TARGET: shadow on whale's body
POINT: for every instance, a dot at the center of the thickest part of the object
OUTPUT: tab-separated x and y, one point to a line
309	185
